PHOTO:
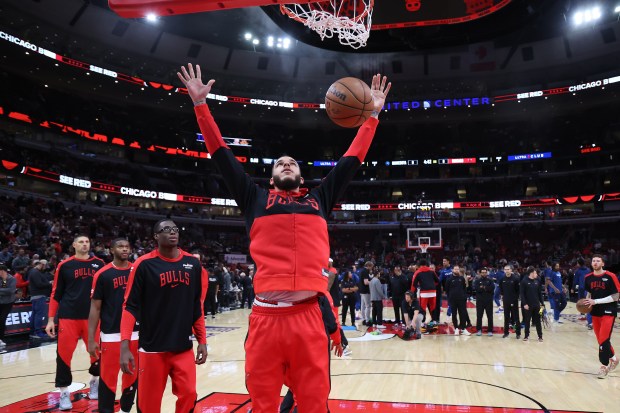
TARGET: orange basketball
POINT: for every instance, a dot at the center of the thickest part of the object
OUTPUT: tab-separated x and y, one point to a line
582	308
348	102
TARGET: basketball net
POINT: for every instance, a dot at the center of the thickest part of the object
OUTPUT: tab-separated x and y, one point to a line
423	247
349	19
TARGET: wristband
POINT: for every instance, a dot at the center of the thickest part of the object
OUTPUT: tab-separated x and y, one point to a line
200	102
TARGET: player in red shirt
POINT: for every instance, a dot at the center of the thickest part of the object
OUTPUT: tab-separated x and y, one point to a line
71	299
164	293
289	242
106	305
603	290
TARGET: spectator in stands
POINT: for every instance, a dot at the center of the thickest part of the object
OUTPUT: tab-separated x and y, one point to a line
21	261
8	286
22	284
40	285
6	256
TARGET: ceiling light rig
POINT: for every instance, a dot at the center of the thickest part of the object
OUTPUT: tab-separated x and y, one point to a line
272	42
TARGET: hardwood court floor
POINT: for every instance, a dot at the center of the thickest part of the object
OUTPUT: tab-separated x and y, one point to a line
441	372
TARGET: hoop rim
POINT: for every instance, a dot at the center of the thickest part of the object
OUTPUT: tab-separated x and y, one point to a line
284	9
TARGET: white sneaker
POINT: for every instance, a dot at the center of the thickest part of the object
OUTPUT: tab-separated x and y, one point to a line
465	332
602	373
381	327
346	351
93	392
457	332
65	401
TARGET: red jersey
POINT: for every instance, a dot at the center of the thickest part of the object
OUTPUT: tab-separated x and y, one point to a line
287	230
601	286
73	281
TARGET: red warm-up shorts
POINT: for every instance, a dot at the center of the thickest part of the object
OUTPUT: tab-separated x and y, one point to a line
110	366
428	302
154	369
69	332
287	345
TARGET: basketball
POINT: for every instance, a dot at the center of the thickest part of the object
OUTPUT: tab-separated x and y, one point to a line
348	102
582	308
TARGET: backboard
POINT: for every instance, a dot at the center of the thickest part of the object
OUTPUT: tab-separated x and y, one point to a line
387	14
430	235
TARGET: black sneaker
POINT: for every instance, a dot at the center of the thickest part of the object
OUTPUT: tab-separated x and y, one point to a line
505	335
526	338
518	336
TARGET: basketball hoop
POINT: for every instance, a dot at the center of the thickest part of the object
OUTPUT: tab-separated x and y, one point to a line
424	243
349	19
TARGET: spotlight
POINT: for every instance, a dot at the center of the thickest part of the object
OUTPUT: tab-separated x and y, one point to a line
255	42
151	17
617	9
270	41
248	36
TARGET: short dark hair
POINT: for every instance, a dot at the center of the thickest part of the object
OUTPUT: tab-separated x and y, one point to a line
599	256
484	269
422	261
447	258
580	261
117	240
530	269
158	224
80	235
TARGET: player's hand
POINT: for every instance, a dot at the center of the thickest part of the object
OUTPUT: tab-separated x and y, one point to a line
589	302
50	328
379	90
526	307
337	347
201	354
93	348
128	363
193	82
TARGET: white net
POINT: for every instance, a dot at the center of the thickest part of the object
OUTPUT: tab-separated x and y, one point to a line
350	20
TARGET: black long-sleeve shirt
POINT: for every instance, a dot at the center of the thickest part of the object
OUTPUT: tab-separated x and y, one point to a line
510	289
484	287
456	288
399	285
531	293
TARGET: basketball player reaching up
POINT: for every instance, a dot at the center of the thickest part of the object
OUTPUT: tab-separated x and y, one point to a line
164	293
107	305
71	299
289	242
603	290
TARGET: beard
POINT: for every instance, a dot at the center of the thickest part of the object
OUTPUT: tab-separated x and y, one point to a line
287	184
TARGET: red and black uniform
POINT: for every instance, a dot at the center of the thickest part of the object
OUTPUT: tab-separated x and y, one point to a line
109	287
603	315
289	244
165	296
71	299
426	281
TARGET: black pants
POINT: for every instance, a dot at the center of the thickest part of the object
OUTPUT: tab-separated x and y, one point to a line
437	311
511	314
247	295
396	302
348	305
484	305
5	309
533	314
459	305
211	303
377	312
